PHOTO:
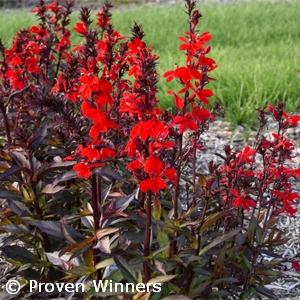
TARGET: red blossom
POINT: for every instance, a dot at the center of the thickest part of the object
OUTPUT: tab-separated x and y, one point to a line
84	169
283	142
153	165
185	74
185	123
296	265
202	114
153	184
244	156
288	198
135	46
241	201
81	28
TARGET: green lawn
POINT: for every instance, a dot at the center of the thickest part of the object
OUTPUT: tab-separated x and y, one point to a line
256	45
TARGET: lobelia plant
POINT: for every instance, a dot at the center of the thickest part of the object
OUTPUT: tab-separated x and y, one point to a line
118	216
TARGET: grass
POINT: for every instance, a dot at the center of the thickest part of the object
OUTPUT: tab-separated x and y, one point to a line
256	45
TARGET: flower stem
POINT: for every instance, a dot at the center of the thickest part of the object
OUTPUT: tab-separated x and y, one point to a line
147	238
96	202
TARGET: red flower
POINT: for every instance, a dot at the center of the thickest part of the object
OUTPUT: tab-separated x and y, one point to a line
292	120
136	164
201	94
91	153
287	199
186	123
84	169
283	142
171	174
130	149
183	73
240	201
153	165
179	103
153	184
107	152
244	157
152	128
81	28
135	47
190	45
202	115
296	265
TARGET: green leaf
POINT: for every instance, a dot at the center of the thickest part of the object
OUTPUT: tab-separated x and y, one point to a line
82	271
159	250
105	263
162	238
267	272
202	180
247	263
126	270
20	254
219	240
259	234
156	212
212	219
161	279
251	230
